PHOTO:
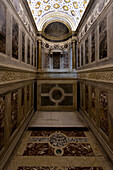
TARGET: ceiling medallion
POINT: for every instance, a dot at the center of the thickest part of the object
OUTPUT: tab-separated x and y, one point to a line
39	12
56	6
37	5
65	8
75	4
46	1
47	8
67	1
73	12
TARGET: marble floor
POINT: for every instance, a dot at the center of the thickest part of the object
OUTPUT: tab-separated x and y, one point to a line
57	119
58	149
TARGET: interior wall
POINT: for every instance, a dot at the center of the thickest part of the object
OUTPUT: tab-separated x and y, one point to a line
95	71
18	65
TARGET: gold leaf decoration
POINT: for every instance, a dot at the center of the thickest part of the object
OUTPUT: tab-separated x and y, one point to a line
56	6
73	12
47	8
65	8
46	1
75	4
67	1
37	5
39	12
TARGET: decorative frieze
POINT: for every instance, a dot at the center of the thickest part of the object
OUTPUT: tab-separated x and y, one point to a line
97	76
7	76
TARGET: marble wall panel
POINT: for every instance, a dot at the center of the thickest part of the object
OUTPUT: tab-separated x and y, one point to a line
86	98
2	120
93	103
23	46
103	39
15	38
82	55
32	56
2	28
104	111
28	98
47	59
56	61
78	57
93	46
22	102
14	110
66	61
35	58
28	51
86	51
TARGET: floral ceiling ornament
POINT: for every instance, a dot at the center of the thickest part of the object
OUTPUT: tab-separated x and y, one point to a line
74	8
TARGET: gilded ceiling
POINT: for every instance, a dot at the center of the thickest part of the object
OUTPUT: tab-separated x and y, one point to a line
74	8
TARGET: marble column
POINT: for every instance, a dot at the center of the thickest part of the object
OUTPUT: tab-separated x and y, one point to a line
39	55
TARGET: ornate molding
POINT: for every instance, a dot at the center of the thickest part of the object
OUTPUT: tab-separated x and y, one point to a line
9	76
106	76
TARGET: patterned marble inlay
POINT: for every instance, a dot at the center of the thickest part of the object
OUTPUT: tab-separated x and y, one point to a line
86	52
103	39
58	168
86	98
2	120
58	143
2	28
38	149
14	111
15	39
104	111
28	98
66	60
93	104
93	46
23	46
56	60
28	51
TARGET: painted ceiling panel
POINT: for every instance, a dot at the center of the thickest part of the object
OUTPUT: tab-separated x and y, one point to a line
74	8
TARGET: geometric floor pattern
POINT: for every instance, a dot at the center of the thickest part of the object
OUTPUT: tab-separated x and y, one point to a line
59	150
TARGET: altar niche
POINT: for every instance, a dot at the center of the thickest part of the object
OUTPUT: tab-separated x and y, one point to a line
56	60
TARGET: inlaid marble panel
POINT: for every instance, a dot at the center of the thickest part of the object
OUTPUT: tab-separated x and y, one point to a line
104	112
47	59
66	61
45	88
82	55
45	101
14	110
56	168
86	51
56	60
68	88
78	149
2	28
103	39
28	98
35	58
78	57
86	98
15	38
22	102
23	46
2	120
38	149
32	56
93	104
36	168
93	46
28	51
68	101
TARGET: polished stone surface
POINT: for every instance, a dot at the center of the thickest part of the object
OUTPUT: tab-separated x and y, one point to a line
57	119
